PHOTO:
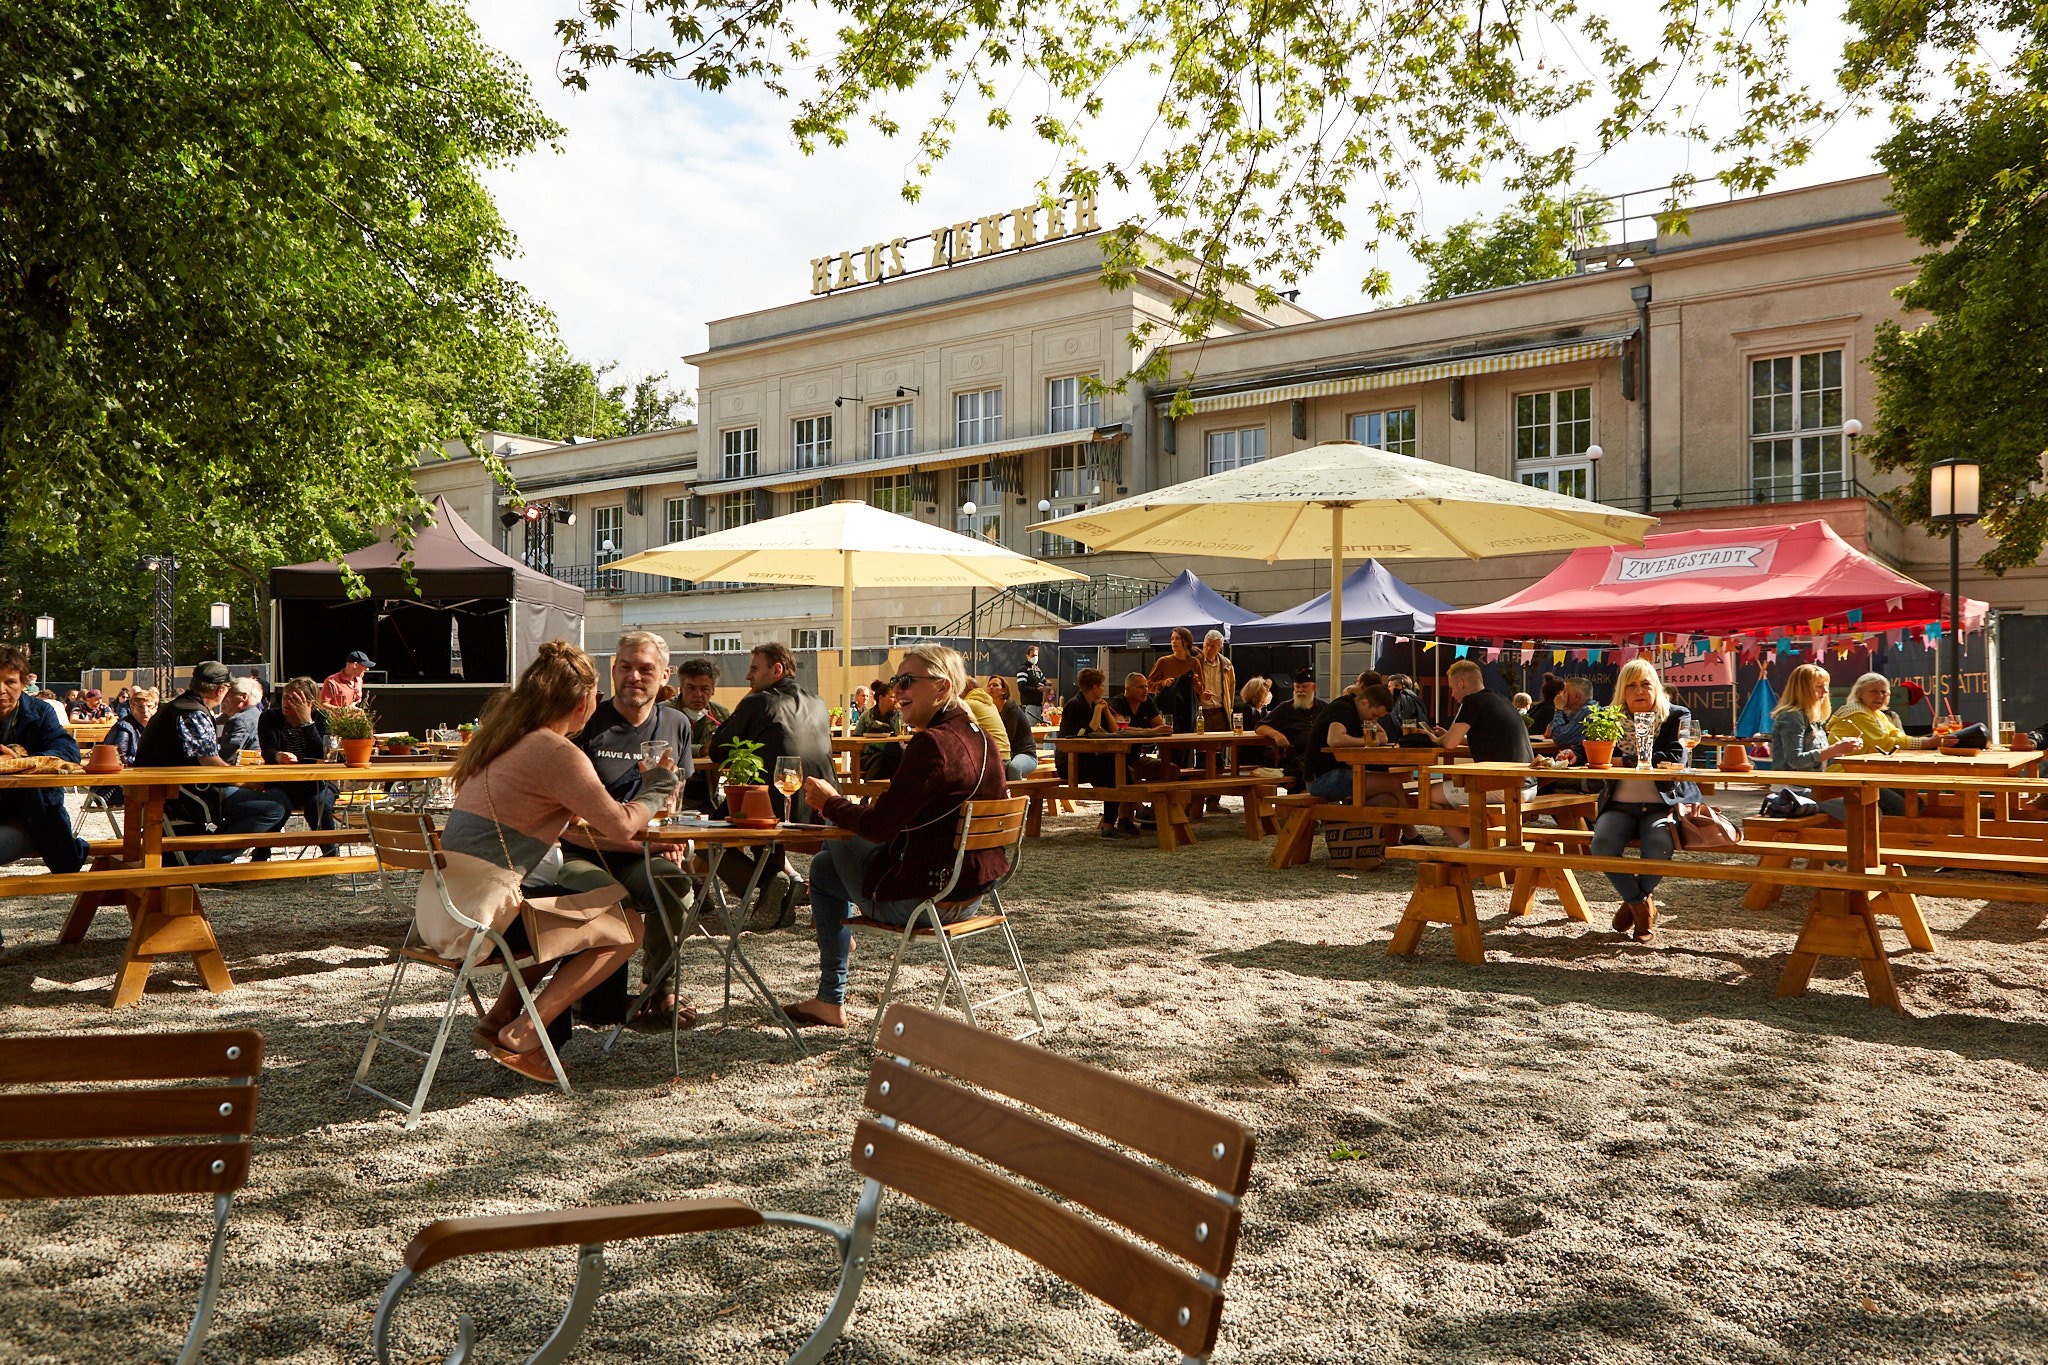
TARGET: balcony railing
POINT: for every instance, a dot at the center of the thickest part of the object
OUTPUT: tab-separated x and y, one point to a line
600	581
1817	488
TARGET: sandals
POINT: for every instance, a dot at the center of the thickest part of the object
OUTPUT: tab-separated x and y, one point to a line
532	1065
655	1015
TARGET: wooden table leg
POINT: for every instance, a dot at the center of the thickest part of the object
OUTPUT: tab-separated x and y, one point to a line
1906	906
1297	838
1034	817
171	922
1763	895
1442	895
1840	925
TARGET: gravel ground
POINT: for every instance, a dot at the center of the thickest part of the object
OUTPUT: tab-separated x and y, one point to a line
1587	1150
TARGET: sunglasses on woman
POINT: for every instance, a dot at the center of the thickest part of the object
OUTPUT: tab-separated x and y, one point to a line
902	681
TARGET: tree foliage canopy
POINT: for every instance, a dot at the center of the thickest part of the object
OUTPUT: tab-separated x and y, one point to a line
557	396
1267	119
247	272
1534	241
1970	178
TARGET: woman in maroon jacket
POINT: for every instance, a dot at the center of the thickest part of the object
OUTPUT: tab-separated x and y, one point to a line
902	849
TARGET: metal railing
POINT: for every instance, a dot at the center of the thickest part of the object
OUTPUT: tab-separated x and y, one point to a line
600	581
1070	603
1814	489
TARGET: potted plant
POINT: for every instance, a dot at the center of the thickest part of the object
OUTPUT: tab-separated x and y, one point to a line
746	784
467	730
357	731
1602	728
838	714
399	745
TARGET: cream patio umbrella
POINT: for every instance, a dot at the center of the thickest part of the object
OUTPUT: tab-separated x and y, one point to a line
1343	500
847	545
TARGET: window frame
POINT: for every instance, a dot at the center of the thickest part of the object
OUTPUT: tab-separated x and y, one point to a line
816	452
1824	443
901	439
725	644
1083	411
1552	470
1237	440
1356	424
823	638
739	452
986	425
890	484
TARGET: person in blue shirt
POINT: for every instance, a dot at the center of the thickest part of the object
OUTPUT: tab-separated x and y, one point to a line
1568	721
33	819
181	735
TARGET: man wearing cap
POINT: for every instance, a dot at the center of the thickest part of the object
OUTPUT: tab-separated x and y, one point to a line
1289	726
182	734
346	687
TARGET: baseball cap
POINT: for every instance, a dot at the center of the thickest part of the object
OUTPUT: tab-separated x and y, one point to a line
1302	675
356	656
210	674
92	692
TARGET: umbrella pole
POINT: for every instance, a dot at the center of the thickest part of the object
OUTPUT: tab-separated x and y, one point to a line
846	641
1336	598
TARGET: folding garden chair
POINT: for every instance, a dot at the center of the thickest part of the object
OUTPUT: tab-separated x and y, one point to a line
1190	1212
409	842
57	1141
983	824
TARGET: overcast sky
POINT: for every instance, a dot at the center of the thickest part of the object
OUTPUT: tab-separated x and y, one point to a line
667	207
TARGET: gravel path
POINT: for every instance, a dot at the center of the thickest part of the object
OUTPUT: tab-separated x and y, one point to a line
1587	1150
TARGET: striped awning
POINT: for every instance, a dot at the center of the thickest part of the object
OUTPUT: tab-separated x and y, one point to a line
1560	353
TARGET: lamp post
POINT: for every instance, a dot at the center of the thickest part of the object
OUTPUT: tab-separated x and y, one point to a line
46	631
1952	502
1851	429
217	617
967	509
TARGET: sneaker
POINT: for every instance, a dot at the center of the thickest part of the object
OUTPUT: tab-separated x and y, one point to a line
1127	829
1111	832
766	911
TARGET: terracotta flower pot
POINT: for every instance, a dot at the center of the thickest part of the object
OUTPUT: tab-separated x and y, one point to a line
1599	753
1735	759
105	758
356	752
749	805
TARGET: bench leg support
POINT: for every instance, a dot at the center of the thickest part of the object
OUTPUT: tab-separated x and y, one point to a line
170	922
1442	895
1906	906
1763	895
1840	924
1297	837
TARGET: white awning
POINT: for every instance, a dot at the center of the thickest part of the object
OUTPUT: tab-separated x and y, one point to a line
1394	377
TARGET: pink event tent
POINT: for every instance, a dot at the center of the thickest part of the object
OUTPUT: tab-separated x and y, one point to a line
1755	580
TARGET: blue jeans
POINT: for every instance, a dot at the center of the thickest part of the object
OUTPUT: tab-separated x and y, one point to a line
245	812
1021	765
837	875
1334	785
1626	820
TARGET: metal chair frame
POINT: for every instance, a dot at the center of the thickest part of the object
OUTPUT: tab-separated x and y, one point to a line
389	833
1188	1205
992	815
216	1162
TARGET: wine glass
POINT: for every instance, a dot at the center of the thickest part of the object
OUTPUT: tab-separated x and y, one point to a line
1688	737
789	775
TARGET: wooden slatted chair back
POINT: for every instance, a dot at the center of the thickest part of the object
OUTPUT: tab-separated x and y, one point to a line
405	840
1194	1219
64	1137
993	824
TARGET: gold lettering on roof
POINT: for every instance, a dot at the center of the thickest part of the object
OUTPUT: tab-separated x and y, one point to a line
952	243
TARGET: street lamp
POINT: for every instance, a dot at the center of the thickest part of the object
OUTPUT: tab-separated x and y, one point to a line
967	509
1851	429
1952	502
46	631
217	617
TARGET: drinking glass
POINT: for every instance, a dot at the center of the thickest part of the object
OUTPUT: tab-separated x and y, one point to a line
2007	732
1688	737
653	750
789	775
1644	732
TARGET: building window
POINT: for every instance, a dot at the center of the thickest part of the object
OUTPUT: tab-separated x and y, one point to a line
726	644
808	637
977	417
1795	427
1235	449
742	453
675	520
1392	431
1068	405
891	494
916	632
607	533
978	486
1553	431
811	439
889	430
735	509
1071	490
804	499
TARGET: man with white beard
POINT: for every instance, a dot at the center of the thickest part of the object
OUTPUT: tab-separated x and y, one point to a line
1287	727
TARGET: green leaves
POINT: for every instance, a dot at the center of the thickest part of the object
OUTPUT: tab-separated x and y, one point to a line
1534	242
1274	126
1966	179
247	270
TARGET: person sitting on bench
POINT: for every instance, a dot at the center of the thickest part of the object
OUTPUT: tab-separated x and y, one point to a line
1140	716
181	735
1289	727
33	819
1486	725
1639	809
1087	715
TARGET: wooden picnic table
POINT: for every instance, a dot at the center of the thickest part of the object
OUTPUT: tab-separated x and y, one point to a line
1211	744
1841	922
167	916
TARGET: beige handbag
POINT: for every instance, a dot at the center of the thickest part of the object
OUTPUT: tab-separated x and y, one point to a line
1702	827
562	926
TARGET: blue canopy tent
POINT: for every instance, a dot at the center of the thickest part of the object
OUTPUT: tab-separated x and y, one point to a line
1187	601
1375	602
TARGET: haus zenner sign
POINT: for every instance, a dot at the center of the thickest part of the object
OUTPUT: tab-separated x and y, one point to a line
950	243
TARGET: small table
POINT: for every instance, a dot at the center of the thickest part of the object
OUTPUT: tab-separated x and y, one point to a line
714	838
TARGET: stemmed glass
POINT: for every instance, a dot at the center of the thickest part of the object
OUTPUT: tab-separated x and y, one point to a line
789	775
1688	737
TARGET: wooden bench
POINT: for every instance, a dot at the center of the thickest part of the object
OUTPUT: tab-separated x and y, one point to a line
1780	843
1840	923
1300	813
1170	799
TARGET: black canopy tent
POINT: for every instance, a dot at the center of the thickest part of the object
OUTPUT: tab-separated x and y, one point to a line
476	617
